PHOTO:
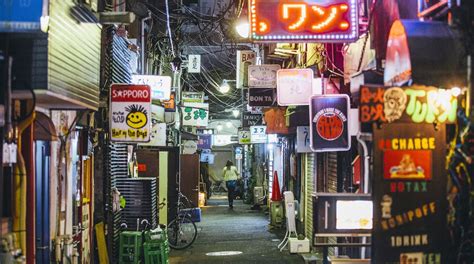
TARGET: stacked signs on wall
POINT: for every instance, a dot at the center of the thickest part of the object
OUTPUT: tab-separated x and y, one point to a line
262	84
329	123
130	113
409	194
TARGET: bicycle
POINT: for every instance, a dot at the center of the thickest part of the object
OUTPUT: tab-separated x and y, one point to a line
182	230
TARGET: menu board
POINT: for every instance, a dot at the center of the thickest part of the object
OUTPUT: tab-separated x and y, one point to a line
409	194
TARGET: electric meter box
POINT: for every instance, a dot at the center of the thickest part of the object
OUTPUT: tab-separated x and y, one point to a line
298	246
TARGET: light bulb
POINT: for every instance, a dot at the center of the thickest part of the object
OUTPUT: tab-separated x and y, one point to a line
224	88
243	29
235	113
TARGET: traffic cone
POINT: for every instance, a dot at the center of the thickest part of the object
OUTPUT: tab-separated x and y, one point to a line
276	194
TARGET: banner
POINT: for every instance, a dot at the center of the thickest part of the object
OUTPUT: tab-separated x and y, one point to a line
329	123
130	113
409	194
413	104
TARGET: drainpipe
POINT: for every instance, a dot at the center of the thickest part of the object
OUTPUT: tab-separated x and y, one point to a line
365	158
30	194
142	40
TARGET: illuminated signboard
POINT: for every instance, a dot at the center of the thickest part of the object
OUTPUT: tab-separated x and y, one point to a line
309	20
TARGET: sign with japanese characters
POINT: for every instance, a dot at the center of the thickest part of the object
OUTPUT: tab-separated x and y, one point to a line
195	114
297	21
251	119
258	134
204	141
413	104
261	97
409	193
130	113
294	86
160	85
194	63
329	123
263	76
245	58
303	142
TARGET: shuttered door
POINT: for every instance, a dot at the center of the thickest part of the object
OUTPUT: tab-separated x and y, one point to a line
309	184
73	54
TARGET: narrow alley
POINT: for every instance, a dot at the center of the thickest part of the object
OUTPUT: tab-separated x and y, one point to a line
239	229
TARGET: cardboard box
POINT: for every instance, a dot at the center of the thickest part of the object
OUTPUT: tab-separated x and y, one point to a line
298	246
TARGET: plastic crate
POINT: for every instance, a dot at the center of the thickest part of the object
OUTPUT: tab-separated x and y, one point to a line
130	247
156	253
195	213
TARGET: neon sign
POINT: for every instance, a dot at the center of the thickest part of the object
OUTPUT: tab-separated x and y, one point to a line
305	20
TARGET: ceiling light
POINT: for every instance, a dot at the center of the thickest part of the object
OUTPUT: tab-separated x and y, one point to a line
224	87
235	112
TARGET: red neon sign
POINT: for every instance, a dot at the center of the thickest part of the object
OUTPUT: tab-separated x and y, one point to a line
305	20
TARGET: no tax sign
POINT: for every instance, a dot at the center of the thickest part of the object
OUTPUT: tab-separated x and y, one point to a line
130	113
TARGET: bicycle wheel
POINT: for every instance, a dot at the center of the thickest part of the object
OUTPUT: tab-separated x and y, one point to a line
181	232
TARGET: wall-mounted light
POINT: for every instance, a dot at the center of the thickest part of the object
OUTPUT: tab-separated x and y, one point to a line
235	113
243	28
225	86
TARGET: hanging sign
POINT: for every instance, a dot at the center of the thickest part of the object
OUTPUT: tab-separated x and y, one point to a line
204	141
245	58
409	193
160	85
414	104
261	97
263	76
194	63
244	137
303	142
251	119
294	86
329	123
21	16
192	97
195	114
258	134
310	20
130	113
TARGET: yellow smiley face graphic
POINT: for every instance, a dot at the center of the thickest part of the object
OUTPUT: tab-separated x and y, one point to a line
137	116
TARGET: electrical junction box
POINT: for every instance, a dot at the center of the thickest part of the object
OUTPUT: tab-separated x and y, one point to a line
298	246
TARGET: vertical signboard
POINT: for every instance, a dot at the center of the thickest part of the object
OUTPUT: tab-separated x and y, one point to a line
409	194
245	58
303	142
263	76
194	63
130	113
294	86
329	123
160	85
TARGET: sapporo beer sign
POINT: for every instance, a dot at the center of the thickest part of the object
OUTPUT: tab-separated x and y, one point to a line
130	113
309	20
329	123
409	194
414	104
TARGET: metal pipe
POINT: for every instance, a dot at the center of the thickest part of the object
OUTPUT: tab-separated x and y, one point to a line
30	196
365	156
143	69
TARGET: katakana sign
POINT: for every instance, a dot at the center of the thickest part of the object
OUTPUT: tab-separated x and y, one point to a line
310	20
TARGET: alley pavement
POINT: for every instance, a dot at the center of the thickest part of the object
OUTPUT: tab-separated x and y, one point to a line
238	229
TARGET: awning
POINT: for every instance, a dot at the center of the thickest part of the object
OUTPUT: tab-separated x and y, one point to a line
428	53
44	128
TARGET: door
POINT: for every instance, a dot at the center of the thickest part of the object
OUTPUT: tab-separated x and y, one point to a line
189	181
42	156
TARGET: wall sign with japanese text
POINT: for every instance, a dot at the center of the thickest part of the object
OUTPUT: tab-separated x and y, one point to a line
297	21
414	104
258	134
329	123
303	141
130	113
294	86
160	85
195	114
263	76
409	193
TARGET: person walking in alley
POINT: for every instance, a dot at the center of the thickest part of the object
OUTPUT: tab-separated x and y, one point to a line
230	175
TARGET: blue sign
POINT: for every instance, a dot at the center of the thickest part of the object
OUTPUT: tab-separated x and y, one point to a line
20	15
204	142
